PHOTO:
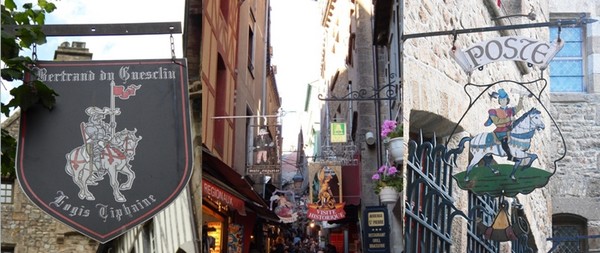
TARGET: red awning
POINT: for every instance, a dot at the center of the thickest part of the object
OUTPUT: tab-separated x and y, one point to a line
218	193
351	184
220	171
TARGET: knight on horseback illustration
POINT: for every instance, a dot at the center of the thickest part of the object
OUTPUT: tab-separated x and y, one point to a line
103	152
511	138
97	134
503	118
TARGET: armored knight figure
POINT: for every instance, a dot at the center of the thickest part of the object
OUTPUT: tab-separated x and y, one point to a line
98	133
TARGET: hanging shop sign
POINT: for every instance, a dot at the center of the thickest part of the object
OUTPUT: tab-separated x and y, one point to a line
376	233
325	185
283	205
504	161
265	154
118	130
338	132
509	48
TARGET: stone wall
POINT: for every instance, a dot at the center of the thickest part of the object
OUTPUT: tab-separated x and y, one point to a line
434	89
29	229
576	185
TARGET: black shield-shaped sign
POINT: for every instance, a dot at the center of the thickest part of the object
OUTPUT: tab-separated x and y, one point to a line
116	148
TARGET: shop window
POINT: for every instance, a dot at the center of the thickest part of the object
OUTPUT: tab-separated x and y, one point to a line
565	229
6	191
566	69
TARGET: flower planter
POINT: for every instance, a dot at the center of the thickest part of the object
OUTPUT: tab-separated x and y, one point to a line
388	195
396	149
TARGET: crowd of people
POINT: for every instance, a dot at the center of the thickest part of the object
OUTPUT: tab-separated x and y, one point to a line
299	245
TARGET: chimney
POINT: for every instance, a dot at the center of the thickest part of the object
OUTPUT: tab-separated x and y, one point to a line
75	51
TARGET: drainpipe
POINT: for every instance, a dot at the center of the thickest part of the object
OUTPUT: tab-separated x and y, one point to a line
377	103
264	79
265	67
401	56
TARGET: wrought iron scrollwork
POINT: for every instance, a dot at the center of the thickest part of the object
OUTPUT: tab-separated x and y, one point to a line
390	92
337	153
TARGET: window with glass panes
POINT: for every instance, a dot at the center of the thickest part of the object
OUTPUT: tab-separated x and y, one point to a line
6	191
568	228
566	69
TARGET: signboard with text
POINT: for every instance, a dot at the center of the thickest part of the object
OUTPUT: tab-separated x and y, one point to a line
376	229
116	148
338	132
507	48
325	193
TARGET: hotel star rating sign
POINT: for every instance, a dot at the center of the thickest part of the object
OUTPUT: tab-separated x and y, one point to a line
116	148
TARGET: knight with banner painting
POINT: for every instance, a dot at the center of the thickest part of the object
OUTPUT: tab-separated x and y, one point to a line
104	151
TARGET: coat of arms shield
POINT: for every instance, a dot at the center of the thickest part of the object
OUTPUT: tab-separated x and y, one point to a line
116	148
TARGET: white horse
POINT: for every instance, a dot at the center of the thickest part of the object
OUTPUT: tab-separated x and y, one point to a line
484	145
115	159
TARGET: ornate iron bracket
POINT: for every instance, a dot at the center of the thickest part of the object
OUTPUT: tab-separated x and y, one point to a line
363	94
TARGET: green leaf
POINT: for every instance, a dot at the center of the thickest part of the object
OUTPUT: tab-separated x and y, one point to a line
21	18
9	153
11	74
10	4
24	96
10	48
47	6
46	95
5	110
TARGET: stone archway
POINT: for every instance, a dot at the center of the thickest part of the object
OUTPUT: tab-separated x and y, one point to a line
430	123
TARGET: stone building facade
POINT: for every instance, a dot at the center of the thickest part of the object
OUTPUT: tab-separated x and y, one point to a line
436	97
364	48
576	186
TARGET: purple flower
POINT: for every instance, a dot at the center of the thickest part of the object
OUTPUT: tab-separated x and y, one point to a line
387	127
392	170
375	176
382	169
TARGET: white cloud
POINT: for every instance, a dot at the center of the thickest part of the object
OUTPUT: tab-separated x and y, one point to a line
120	11
112	12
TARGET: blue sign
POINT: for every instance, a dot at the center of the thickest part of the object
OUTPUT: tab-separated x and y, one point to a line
377	230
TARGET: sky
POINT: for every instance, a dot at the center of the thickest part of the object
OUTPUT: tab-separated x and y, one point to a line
296	37
295	31
111	47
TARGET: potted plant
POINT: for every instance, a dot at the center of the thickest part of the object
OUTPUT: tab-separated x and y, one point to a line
388	183
392	132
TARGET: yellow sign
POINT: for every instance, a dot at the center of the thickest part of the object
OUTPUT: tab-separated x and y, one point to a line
338	132
376	219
